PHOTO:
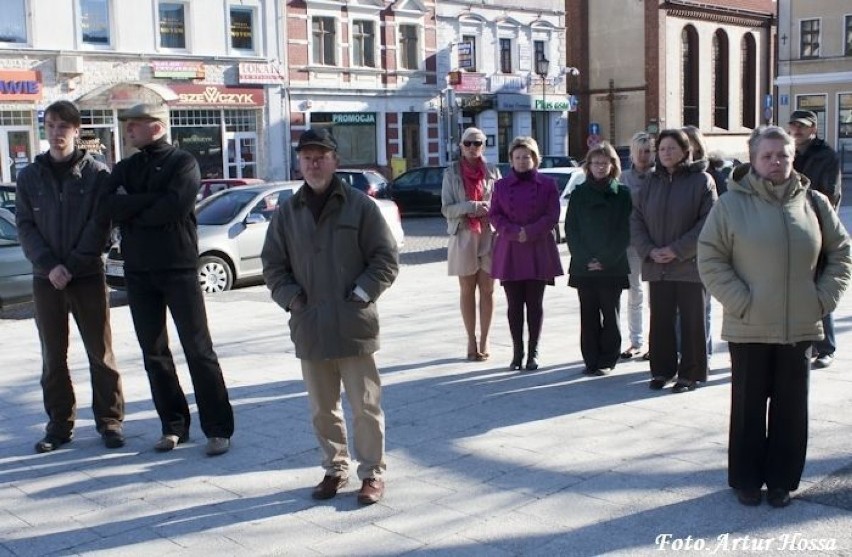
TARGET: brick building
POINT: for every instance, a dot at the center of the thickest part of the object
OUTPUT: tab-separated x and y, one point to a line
646	64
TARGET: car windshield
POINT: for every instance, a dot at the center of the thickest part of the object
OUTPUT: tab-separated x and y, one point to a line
222	209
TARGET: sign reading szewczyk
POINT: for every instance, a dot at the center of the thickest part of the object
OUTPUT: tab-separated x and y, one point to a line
217	95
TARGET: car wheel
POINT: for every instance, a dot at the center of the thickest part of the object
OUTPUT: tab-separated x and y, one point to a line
214	275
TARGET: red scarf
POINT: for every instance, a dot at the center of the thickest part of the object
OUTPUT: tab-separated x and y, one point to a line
473	178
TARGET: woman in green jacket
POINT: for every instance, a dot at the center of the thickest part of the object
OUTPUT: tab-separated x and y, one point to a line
757	254
597	229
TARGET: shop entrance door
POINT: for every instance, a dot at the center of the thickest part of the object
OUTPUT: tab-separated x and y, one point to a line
15	152
241	154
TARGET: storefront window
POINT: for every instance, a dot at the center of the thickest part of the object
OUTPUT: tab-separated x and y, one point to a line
172	25
242	29
504	135
844	130
99	143
355	133
205	144
94	22
13	25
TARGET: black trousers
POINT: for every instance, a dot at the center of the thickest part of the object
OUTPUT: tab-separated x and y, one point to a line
772	451
150	293
600	331
522	294
86	299
667	300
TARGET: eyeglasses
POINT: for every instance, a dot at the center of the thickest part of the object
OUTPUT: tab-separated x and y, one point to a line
474	143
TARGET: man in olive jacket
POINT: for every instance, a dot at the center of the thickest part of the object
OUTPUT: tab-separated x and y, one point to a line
819	163
56	204
327	258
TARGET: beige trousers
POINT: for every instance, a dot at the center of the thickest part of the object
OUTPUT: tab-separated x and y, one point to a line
360	378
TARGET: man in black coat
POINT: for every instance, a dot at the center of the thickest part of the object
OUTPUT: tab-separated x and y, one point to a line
153	201
820	164
57	204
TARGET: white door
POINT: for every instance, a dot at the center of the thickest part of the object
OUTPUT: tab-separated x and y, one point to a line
242	154
15	152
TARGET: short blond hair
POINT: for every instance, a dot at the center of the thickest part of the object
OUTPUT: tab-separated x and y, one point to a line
529	143
603	149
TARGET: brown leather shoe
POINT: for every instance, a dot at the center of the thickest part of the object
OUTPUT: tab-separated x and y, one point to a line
329	486
372	491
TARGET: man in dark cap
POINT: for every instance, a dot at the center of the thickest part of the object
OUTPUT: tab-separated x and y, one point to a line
819	163
154	204
327	258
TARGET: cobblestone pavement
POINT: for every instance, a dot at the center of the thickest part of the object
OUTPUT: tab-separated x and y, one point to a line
425	240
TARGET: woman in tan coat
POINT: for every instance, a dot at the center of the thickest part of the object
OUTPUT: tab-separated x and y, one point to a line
758	255
465	200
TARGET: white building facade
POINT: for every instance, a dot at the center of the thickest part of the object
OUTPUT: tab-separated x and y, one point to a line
216	63
490	70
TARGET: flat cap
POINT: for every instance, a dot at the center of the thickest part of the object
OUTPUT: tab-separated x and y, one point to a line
146	112
804	117
317	137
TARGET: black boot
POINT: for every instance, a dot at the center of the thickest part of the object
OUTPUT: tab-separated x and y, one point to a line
532	356
518	357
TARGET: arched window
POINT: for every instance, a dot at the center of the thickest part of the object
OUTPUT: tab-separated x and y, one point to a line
689	65
720	80
748	71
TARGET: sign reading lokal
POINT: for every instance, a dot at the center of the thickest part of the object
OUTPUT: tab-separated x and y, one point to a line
261	73
217	95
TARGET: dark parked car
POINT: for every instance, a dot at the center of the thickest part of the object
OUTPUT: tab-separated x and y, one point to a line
418	191
16	272
368	181
7	197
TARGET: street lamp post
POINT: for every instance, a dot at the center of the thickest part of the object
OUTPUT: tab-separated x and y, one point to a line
542	66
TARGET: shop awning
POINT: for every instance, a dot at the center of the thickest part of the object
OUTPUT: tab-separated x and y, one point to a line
125	95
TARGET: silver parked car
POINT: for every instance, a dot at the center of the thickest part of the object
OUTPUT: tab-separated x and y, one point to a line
16	272
231	230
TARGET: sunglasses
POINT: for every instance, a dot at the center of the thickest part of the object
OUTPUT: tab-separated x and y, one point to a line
474	143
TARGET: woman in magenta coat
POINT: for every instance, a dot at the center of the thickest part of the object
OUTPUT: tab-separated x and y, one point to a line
524	211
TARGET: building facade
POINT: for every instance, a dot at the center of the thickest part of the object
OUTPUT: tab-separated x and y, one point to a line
366	69
815	67
650	65
214	62
501	68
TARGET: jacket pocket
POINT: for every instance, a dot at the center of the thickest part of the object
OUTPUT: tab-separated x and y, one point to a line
359	320
303	331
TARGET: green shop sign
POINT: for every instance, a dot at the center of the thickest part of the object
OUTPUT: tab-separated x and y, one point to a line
557	104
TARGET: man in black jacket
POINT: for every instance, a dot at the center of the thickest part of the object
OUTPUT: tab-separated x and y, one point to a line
56	203
819	163
153	201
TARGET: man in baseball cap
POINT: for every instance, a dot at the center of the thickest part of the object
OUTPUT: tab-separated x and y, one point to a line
817	161
327	258
317	137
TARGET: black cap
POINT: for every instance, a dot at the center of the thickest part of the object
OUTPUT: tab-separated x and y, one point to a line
317	137
804	117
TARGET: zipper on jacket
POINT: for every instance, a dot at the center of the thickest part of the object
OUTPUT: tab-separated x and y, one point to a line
785	222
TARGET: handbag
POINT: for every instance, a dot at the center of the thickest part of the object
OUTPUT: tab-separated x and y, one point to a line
822	260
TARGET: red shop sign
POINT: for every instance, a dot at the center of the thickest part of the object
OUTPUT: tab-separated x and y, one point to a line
217	95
